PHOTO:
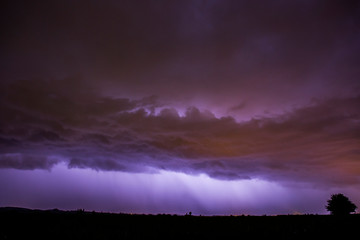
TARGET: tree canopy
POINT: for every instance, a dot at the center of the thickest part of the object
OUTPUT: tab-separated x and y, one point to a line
339	204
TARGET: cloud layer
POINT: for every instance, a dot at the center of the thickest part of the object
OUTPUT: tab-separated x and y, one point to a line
217	54
43	124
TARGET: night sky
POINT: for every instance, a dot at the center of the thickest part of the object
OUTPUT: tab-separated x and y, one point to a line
214	107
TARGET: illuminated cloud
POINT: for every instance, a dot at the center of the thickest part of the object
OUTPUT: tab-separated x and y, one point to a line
92	131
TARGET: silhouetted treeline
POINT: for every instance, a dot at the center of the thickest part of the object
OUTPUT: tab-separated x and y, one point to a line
55	224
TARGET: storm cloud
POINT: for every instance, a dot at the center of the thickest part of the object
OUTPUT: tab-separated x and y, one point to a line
214	53
242	93
317	142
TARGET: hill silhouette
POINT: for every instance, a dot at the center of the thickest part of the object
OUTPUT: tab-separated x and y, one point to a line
20	223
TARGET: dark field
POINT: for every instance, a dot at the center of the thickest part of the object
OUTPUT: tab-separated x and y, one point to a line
54	224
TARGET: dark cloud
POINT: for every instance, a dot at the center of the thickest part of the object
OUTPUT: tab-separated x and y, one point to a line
269	52
42	136
97	164
237	107
26	161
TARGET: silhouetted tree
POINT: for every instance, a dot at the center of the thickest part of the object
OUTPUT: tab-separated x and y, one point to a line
339	204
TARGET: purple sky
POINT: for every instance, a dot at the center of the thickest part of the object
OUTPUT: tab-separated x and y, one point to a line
214	107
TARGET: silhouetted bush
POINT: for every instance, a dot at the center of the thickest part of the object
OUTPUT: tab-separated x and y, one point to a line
339	205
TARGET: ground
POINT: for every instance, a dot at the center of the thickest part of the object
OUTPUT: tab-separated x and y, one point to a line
55	224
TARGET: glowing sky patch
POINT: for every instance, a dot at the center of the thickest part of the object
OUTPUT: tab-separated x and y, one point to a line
162	192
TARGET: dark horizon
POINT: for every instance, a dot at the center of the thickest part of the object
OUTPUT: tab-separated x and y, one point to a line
88	225
14	209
